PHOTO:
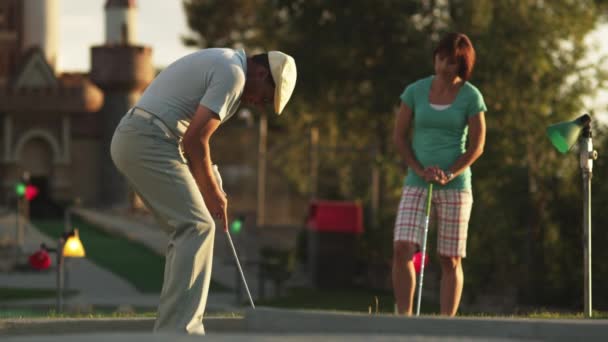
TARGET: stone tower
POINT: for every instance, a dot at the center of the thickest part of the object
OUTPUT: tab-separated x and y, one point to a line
122	69
26	24
40	27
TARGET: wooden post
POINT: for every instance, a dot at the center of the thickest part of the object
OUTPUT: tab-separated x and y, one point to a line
262	146
314	162
375	190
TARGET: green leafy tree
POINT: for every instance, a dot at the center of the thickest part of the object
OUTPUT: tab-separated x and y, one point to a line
355	59
353	62
533	72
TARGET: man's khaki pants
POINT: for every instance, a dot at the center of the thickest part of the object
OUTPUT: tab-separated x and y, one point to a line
152	162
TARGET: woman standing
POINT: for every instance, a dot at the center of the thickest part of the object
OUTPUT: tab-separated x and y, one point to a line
439	112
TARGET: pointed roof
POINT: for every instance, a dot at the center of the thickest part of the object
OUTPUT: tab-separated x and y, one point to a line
36	87
35	71
121	3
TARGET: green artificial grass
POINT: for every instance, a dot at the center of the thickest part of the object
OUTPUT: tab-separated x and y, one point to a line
364	301
132	261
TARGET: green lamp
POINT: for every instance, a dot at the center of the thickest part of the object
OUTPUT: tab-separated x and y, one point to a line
564	135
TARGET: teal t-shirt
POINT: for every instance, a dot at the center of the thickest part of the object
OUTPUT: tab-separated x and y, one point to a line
439	136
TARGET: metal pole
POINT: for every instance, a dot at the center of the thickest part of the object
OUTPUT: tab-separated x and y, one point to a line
587	156
67	220
26	217
18	238
587	242
60	260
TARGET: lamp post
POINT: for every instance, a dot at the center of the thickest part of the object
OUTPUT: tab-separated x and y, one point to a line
67	214
24	192
564	135
68	246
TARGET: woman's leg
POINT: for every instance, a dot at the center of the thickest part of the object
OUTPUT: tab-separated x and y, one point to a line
453	209
404	276
407	237
451	284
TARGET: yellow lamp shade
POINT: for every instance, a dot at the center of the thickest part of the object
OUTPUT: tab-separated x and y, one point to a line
73	247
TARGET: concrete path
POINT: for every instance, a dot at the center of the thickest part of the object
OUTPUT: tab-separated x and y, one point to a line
265	324
221	337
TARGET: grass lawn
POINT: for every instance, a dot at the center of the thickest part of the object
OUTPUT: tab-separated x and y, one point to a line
99	313
9	294
131	261
360	300
353	300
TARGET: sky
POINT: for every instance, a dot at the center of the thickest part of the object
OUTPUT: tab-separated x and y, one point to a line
81	25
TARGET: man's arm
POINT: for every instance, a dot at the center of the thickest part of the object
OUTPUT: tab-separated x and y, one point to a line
196	147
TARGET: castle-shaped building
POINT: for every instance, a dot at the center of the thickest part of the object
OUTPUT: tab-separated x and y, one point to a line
57	127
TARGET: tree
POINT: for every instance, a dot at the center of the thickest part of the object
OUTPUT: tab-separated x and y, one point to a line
532	71
355	59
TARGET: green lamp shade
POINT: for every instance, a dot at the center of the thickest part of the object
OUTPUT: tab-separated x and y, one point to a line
20	189
563	135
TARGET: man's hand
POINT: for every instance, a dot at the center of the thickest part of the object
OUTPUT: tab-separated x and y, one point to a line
217	203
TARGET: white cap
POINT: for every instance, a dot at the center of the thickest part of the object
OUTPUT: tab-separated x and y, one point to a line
284	74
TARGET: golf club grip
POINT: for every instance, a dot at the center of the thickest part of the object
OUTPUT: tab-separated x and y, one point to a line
218	180
428	200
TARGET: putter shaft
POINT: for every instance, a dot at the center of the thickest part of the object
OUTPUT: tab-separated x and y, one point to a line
423	256
238	265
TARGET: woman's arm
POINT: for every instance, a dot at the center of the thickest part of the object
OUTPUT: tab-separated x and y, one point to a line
477	141
401	139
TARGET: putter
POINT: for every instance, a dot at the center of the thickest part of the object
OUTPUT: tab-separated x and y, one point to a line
218	178
423	256
238	264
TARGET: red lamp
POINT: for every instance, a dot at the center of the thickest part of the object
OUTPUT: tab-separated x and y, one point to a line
31	192
40	260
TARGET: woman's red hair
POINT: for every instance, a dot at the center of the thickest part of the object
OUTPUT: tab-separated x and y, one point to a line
459	47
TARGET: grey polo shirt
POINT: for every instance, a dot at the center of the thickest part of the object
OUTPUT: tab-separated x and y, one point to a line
213	78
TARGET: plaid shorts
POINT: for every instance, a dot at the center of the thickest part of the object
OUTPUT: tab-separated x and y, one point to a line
450	208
